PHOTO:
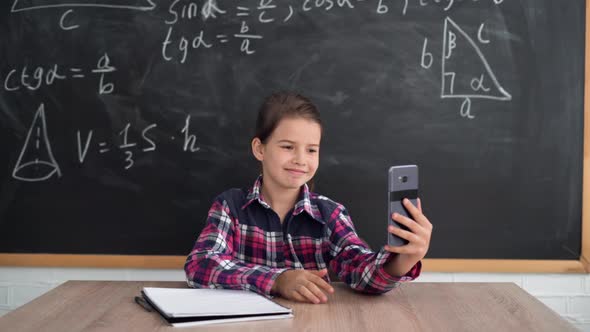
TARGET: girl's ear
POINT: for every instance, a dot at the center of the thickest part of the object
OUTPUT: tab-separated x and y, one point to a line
258	149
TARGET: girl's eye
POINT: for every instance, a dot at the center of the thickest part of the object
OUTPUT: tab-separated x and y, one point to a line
287	147
313	150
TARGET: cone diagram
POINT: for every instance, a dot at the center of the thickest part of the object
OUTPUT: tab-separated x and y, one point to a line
36	161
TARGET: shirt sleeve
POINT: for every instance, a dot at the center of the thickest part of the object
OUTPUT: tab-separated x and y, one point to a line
355	263
210	264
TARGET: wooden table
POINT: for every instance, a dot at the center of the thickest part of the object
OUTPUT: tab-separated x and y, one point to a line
110	306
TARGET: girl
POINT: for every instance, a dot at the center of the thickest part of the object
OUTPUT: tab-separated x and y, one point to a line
278	238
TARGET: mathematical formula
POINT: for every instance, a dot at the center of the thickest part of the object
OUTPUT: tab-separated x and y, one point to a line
36	161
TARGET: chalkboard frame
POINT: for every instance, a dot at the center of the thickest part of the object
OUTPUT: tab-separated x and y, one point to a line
582	265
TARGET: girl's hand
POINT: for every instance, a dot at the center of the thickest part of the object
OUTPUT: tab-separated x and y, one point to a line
417	235
303	286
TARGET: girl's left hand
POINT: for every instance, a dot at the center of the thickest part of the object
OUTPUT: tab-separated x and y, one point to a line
418	234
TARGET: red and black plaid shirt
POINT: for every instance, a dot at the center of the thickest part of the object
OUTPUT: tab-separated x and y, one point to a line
245	246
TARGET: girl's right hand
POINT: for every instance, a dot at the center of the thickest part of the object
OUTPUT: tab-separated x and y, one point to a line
303	286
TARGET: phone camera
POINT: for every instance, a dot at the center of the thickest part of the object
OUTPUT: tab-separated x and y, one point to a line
403	179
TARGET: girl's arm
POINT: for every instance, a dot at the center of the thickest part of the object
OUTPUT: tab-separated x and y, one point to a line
211	264
355	263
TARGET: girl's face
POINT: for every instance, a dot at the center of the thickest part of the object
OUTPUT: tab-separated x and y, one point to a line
290	157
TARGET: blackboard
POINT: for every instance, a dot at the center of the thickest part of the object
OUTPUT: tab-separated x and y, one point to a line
122	120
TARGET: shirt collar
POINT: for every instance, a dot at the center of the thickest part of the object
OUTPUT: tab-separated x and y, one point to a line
254	194
303	203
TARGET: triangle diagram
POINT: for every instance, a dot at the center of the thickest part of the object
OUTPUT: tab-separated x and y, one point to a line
466	72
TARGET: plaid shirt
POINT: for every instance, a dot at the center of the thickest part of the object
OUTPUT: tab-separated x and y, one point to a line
245	246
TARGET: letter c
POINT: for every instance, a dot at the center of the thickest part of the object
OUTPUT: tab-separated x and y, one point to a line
6	81
61	21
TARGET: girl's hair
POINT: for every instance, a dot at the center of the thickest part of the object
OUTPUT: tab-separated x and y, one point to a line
281	105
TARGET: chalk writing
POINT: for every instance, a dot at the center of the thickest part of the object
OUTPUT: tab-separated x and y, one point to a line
36	161
455	37
28	5
445	4
62	21
24	5
266	12
482	85
129	146
177	46
33	79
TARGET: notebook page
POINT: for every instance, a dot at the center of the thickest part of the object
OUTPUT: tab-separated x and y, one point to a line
189	302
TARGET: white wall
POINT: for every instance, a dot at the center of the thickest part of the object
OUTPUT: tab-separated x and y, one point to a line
567	294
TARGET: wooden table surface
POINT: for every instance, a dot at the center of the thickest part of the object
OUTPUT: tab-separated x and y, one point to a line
110	306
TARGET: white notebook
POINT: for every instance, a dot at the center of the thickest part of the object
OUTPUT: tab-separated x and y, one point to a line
190	306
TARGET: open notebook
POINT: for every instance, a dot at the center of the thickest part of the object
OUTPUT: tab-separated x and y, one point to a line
190	307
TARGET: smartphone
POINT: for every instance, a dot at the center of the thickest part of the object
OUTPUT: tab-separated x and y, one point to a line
403	183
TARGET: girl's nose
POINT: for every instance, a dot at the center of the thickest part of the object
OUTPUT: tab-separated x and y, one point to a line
298	160
299	157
